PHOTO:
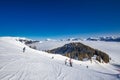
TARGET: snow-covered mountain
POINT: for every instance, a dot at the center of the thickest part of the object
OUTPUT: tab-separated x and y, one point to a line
27	41
93	39
39	65
72	39
110	38
104	38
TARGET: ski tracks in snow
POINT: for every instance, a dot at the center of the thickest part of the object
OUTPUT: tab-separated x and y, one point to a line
57	69
9	71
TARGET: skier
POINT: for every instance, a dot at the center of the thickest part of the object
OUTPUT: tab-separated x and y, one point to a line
87	66
23	49
118	74
52	57
66	61
70	61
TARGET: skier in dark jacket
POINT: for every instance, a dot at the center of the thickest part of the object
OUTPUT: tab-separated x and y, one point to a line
24	49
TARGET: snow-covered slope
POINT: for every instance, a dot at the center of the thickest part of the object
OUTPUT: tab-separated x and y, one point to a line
38	65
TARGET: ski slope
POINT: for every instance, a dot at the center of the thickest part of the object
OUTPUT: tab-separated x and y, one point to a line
38	65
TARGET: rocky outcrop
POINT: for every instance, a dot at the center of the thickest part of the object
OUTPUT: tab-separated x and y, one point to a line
80	51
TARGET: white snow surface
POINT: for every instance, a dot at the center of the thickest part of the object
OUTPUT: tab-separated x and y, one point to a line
38	65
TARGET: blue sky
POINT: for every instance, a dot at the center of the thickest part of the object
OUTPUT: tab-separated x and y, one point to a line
59	18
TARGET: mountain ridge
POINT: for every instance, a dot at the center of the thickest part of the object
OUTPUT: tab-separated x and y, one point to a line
80	51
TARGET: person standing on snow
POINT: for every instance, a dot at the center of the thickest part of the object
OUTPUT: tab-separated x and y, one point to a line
66	61
24	49
70	61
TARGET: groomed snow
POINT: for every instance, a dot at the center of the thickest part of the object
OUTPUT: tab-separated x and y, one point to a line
38	65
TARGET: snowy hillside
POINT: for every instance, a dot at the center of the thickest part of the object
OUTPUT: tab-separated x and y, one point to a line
38	65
